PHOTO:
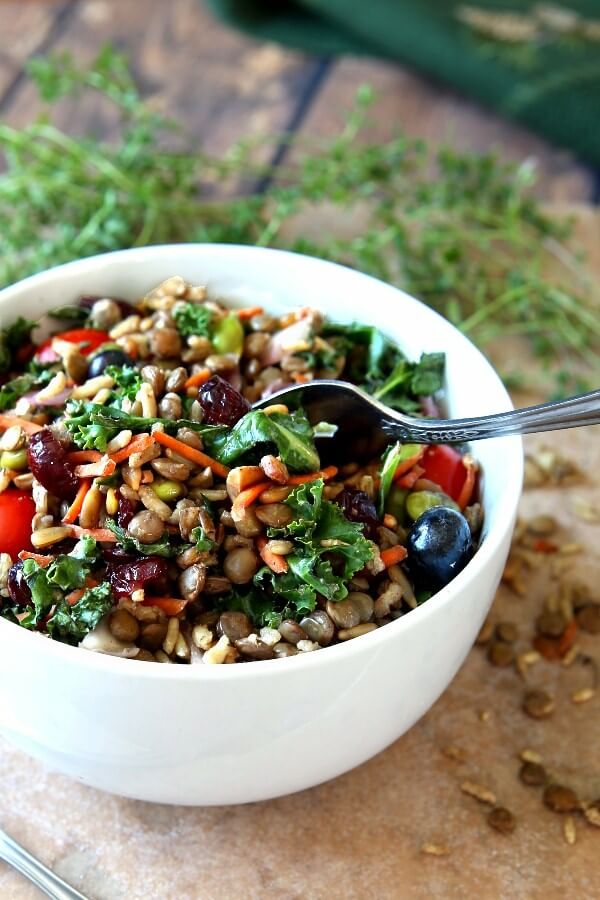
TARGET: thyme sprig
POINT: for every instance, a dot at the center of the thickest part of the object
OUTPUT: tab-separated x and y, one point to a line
462	231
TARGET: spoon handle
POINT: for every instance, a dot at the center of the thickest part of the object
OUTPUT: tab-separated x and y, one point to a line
12	853
581	410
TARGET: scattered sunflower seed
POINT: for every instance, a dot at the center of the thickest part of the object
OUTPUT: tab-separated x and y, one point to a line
531	756
561	799
542	526
585	510
456	753
569	830
479	792
431	849
538	704
501	819
583	695
570	656
592	813
525	660
533	774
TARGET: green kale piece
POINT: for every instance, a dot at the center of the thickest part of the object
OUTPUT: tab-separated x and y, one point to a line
71	623
251	437
193	319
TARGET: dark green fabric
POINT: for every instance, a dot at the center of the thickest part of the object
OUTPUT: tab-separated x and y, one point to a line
551	84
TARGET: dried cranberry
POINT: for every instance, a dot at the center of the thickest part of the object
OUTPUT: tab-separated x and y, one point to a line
147	571
49	464
18	589
358	507
126	511
221	403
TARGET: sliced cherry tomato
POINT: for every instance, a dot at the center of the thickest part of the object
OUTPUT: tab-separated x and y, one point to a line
91	338
17	509
443	465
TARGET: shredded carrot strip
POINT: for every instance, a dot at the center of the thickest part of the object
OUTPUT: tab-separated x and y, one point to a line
326	474
40	559
104	535
467	489
195	456
136	445
408	480
247	497
169	605
274	561
393	555
75	507
300	377
543	545
407	464
77	594
84	456
567	637
27	426
249	312
104	466
198	379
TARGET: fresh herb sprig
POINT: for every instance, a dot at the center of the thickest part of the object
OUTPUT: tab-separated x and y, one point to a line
462	231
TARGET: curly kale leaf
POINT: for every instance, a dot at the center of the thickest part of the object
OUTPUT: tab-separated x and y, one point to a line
328	551
193	319
71	623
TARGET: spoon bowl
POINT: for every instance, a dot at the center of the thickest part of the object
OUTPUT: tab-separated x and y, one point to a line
365	425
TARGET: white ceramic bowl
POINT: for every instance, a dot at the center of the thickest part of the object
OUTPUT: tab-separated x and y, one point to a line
231	734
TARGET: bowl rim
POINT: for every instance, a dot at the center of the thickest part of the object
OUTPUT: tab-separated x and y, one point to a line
370	642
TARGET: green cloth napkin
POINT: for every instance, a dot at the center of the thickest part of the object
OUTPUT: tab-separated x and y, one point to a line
536	63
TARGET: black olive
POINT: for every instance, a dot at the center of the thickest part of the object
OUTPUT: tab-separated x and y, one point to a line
439	545
105	358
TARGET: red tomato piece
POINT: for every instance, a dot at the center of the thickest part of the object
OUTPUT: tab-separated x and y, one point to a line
17	509
91	338
443	465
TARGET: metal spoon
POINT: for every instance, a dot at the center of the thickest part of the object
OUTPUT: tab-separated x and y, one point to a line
16	856
365	425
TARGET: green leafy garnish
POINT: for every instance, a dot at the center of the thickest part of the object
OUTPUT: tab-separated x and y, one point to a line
127	383
463	231
67	572
193	319
201	541
71	623
328	551
254	433
391	459
92	426
375	363
18	387
75	315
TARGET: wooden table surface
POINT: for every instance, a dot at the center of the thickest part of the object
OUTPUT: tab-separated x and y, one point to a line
361	834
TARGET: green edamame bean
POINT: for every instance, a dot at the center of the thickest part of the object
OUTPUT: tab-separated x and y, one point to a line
228	336
419	501
168	490
13	459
